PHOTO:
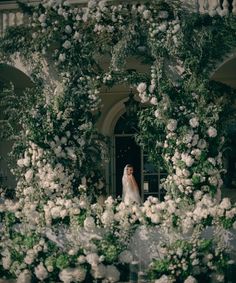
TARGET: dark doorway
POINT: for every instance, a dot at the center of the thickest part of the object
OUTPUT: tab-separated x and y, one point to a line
127	152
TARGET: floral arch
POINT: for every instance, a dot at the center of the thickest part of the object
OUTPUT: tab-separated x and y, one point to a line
57	228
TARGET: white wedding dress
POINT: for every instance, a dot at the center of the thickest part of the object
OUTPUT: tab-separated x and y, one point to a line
130	189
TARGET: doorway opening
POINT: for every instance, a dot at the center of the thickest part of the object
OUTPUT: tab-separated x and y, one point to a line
127	151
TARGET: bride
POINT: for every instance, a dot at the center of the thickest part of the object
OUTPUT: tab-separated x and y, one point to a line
130	188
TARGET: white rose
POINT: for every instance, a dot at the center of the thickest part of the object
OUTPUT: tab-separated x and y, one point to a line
112	273
212	132
225	203
24	277
163	14
89	224
92	259
42	18
190	279
172	125
201	144
20	162
77	36
164	279
29	175
62	57
162	27
107	217
68	29
142	87
146	14
99	271
153	100
67	44
41	272
55	211
157	113
68	275
125	257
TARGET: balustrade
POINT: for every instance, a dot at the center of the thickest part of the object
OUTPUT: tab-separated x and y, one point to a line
11	16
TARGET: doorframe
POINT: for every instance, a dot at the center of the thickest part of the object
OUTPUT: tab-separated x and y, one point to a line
113	164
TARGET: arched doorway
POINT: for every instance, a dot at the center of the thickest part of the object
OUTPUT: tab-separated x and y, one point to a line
127	151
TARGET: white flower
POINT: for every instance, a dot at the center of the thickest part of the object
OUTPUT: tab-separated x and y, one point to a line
99	271
197	195
77	36
68	29
212	132
164	279
172	125
62	57
201	144
194	122
157	114
89	223
176	28
24	277
68	275
153	100
162	27
107	217
163	14
212	160
225	203
67	44
6	261
146	14
141	87
125	257
41	272
42	18
234	225
92	259
55	211
112	273
190	279
29	175
20	162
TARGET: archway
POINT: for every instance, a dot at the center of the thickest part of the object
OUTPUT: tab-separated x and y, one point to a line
225	73
10	75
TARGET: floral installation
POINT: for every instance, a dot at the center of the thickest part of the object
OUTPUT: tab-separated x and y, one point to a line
57	227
